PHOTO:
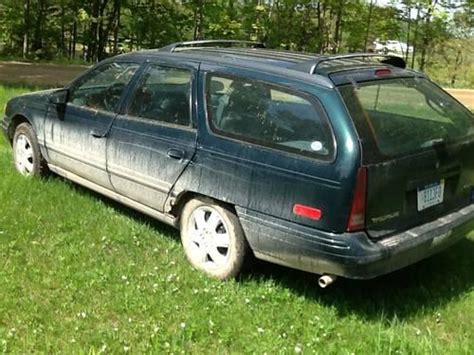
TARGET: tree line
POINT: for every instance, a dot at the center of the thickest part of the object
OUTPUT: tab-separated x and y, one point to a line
91	30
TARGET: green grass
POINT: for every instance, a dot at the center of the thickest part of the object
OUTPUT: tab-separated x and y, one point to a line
82	274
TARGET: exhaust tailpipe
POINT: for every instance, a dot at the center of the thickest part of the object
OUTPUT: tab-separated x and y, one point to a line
326	280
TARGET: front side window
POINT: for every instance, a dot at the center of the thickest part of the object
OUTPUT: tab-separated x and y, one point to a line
103	87
163	95
407	114
268	115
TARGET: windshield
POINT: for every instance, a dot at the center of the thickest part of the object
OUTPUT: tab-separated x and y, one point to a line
403	115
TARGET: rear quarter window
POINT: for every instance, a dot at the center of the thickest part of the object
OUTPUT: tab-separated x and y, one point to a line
268	115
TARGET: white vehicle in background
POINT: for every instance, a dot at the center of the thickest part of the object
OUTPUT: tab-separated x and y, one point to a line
398	47
379	46
391	46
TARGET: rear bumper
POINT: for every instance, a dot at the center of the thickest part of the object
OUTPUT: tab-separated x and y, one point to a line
351	255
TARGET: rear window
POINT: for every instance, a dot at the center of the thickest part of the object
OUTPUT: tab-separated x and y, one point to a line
268	115
404	115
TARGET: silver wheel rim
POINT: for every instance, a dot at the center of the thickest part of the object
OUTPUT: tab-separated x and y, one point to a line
24	155
209	240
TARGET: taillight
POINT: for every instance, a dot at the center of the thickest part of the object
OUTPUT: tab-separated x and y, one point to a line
383	72
357	216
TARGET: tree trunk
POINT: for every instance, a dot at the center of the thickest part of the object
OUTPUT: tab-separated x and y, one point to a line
457	63
327	27
415	37
93	32
369	23
74	39
337	30
408	35
152	43
63	30
201	19
69	45
38	29
320	27
102	32
306	30
198	19
117	11
195	19
426	35
324	28
27	28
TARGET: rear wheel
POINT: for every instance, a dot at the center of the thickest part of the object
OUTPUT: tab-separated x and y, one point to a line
212	238
26	152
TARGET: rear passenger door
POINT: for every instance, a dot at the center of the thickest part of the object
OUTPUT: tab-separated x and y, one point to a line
152	142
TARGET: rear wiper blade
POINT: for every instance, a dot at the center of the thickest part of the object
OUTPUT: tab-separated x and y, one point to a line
432	142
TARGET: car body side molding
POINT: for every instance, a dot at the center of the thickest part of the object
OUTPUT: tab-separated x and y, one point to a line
168	219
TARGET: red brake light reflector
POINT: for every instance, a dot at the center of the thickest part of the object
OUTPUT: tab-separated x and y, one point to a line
306	211
383	72
357	216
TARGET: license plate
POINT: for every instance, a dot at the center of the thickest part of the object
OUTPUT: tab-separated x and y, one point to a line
430	195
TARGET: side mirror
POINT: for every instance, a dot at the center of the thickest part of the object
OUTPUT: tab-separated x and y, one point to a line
59	97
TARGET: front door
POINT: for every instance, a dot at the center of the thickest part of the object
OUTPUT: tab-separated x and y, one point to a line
150	145
75	137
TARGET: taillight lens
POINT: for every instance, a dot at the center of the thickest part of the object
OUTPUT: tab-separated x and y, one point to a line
357	216
383	72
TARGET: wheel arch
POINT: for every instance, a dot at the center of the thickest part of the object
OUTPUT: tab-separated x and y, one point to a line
178	202
15	122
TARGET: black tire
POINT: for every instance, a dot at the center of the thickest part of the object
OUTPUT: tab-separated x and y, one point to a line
211	231
26	152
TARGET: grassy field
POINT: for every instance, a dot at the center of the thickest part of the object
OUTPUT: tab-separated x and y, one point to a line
82	274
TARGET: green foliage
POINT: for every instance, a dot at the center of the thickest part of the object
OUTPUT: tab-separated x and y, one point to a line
453	63
94	29
221	21
387	23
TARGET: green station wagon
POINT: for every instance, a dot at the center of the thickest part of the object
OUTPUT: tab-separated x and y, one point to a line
344	165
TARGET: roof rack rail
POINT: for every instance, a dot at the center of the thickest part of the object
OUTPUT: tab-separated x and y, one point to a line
312	65
202	43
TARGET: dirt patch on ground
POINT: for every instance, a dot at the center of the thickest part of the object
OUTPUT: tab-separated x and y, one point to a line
44	75
55	75
464	95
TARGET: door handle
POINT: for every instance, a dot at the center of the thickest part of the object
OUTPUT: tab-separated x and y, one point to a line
177	154
97	134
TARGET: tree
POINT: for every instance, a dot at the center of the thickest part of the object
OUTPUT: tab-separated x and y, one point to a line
46	29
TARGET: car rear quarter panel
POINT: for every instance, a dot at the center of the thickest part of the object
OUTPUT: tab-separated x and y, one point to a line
271	181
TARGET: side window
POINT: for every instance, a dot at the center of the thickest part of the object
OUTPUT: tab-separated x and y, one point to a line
163	95
268	115
103	87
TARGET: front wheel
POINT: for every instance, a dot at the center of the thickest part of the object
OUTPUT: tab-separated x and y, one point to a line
26	152
212	238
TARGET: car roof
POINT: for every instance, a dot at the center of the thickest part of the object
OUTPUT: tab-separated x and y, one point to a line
305	66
